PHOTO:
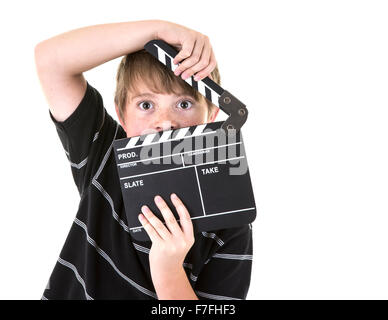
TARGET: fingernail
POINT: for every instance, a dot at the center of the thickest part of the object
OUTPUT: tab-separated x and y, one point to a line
158	198
174	195
176	72
143	208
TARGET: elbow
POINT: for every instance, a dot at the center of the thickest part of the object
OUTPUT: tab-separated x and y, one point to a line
40	55
44	56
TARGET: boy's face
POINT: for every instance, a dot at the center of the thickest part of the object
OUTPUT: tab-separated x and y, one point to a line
150	112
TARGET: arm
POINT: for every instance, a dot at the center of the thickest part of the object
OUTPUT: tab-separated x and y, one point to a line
61	60
180	290
170	245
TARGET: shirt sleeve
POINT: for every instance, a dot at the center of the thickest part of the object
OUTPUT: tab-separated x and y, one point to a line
226	274
86	136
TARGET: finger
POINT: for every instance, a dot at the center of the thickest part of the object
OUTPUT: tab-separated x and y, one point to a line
185	52
208	70
168	216
201	64
184	215
156	223
195	57
154	236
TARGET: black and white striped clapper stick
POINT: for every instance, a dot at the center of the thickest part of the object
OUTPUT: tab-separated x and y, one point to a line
223	99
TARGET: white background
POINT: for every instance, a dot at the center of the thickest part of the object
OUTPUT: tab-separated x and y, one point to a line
314	75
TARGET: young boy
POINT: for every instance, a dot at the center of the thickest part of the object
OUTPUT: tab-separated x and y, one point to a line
100	259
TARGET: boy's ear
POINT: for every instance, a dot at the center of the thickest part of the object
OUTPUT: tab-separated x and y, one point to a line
118	116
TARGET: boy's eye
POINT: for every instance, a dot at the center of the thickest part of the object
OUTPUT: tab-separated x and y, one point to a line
145	105
185	104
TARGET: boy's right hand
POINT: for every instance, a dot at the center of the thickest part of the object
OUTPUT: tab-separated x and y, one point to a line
194	49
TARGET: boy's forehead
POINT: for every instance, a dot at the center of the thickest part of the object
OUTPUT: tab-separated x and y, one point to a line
142	89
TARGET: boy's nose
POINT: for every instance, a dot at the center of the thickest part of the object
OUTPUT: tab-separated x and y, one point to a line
163	125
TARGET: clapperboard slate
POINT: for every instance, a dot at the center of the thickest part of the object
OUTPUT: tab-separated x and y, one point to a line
205	165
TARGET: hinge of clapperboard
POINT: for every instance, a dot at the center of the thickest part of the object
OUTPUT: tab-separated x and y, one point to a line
223	99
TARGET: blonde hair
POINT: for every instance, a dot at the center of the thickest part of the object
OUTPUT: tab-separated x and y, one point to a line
142	66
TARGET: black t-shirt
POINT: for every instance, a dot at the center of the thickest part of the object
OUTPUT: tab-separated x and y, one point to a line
100	259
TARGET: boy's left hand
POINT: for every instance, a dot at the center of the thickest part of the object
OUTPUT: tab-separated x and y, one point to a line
169	245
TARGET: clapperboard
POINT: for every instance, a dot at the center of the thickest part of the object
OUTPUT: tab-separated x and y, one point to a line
205	165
